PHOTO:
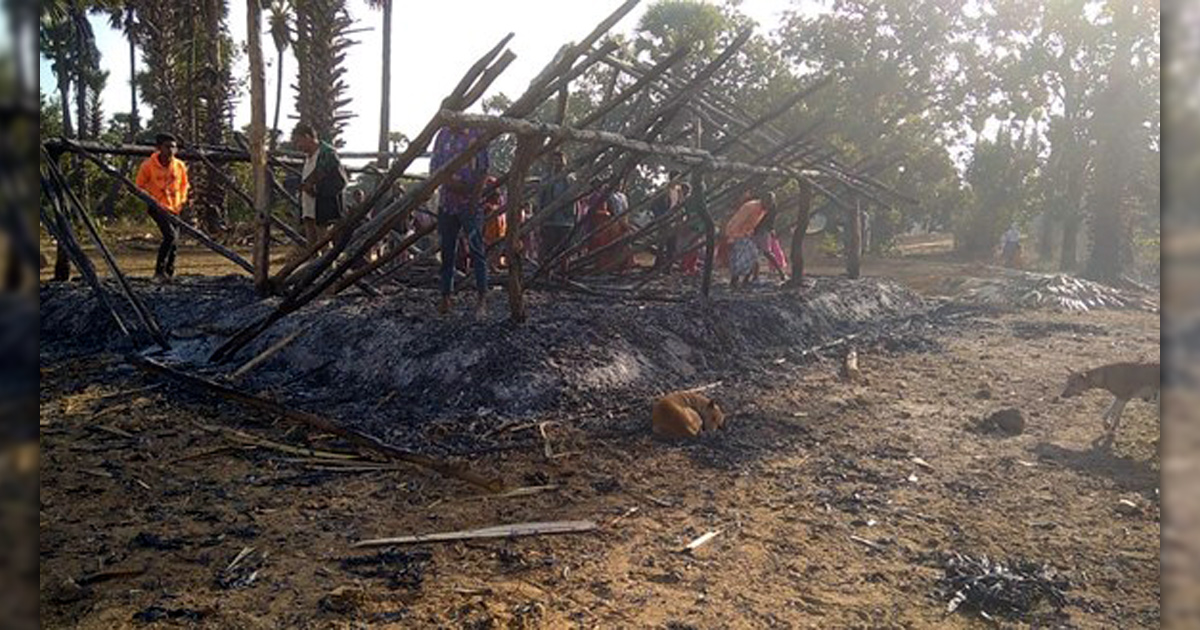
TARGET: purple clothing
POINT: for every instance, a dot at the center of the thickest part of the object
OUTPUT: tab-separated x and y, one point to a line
448	144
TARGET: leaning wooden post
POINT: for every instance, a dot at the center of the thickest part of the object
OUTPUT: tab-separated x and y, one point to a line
854	241
527	147
258	155
803	215
59	227
68	198
184	226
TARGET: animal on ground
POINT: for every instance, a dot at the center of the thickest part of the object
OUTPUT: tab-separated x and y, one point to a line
1125	381
686	414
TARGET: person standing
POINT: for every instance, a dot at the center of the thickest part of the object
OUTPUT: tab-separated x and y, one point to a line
557	227
1010	246
322	182
740	232
460	209
165	178
664	251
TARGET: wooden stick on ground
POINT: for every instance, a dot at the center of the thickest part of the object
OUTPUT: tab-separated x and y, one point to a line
701	541
322	424
499	531
269	352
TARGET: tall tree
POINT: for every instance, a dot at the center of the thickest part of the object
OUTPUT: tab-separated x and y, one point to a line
320	48
122	17
385	100
281	36
160	81
1121	145
211	75
258	158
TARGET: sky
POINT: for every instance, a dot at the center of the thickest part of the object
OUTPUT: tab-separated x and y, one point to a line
426	62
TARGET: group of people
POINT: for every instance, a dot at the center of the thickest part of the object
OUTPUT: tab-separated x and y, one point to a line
470	215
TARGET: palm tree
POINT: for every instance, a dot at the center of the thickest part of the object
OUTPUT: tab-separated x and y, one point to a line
320	46
121	17
258	115
159	24
385	103
211	77
56	43
281	34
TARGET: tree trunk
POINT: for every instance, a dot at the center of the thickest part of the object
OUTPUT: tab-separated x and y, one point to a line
258	157
803	215
1046	239
62	262
278	98
385	102
1070	242
133	98
527	147
1117	153
854	242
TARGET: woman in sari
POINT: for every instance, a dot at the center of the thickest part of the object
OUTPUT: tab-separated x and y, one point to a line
598	220
740	233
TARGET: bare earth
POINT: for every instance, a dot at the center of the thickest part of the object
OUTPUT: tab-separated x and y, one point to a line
143	510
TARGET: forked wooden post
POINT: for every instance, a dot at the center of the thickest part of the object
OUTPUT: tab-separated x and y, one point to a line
527	147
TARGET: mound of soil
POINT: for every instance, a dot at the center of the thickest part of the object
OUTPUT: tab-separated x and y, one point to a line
386	359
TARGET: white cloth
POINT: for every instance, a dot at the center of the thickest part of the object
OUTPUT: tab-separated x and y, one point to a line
1011	236
308	203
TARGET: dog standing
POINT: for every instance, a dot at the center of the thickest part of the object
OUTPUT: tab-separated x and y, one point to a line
1124	381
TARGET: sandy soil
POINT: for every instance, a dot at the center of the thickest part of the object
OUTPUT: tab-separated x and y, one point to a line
824	518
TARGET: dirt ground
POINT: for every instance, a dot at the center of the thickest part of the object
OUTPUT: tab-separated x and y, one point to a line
835	502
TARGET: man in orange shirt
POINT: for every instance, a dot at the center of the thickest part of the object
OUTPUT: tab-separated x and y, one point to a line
164	177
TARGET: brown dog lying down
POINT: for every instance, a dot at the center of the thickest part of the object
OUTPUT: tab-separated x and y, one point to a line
686	415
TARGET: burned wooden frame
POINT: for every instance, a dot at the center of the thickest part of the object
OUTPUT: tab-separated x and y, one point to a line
663	128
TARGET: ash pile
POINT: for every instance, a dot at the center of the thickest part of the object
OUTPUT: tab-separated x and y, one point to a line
1013	590
1025	290
388	365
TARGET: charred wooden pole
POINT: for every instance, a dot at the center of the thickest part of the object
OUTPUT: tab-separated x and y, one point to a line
803	214
342	229
321	424
59	227
472	86
186	227
549	82
215	153
854	241
315	281
526	148
700	208
144	315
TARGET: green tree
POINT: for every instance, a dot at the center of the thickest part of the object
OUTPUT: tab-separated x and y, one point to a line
320	48
281	35
385	100
1002	177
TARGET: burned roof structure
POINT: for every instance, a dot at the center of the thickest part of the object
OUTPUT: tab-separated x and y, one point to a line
672	108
